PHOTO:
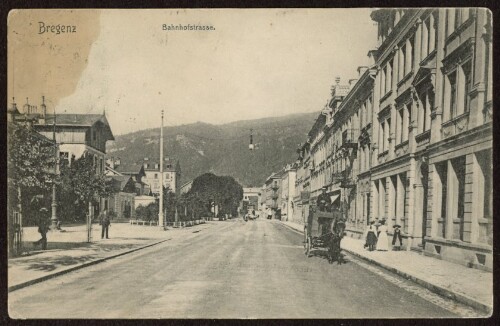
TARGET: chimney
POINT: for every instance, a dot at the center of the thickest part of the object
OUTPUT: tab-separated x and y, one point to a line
361	70
26	107
337	80
41	120
44	107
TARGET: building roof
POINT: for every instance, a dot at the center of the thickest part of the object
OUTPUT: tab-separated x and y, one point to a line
78	120
129	168
120	181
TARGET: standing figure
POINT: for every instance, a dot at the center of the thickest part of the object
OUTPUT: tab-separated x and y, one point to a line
383	241
371	236
324	202
397	239
43	228
105	222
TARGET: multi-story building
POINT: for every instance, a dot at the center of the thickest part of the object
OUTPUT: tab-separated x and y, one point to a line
272	193
251	199
411	142
288	191
171	175
432	169
75	134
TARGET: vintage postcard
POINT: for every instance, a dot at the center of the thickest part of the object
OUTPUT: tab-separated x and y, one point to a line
250	163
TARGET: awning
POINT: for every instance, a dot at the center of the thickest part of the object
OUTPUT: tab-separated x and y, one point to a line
334	197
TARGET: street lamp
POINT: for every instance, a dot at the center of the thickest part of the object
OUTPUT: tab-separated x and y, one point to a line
53	219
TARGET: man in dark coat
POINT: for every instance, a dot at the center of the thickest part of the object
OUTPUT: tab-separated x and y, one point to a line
105	222
324	202
43	228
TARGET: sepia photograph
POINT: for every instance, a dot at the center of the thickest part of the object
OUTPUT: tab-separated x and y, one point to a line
249	163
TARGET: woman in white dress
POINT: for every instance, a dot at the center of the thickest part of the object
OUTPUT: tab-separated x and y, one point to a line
383	241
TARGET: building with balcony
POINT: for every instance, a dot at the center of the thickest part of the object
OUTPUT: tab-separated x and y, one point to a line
273	194
411	141
288	191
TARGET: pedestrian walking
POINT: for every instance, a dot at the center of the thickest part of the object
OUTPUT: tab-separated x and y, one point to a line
105	223
382	241
43	228
371	236
269	213
397	239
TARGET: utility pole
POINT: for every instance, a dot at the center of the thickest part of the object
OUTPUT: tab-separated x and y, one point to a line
160	211
53	219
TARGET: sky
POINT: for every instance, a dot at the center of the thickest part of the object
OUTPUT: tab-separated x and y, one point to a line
255	64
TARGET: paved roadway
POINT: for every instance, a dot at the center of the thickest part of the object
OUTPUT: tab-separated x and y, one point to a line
232	269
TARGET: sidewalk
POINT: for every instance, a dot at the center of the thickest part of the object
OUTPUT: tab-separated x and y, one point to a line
469	286
68	250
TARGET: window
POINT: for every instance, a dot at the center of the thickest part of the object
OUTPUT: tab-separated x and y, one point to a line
400	126
156	175
402	62
381	137
458	200
411	54
442	174
387	133
467	71
382	82
452	79
424	117
388	74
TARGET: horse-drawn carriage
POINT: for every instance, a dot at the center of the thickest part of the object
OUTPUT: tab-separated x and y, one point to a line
325	230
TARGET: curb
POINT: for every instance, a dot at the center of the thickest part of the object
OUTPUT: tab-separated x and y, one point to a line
432	287
71	269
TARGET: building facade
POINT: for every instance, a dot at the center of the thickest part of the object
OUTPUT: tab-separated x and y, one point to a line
288	192
272	194
411	141
171	175
251	200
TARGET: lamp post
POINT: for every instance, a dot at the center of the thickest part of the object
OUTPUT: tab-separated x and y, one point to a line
160	210
53	219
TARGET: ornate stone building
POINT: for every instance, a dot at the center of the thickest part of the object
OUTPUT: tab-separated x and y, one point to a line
411	140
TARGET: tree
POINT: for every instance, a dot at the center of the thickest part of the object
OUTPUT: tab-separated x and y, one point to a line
30	173
81	186
222	191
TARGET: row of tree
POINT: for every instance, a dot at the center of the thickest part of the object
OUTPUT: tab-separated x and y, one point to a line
32	171
207	192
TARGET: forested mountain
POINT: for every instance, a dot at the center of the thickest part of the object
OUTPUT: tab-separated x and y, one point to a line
221	149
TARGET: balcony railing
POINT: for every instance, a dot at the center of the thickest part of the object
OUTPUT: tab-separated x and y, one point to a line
350	138
345	179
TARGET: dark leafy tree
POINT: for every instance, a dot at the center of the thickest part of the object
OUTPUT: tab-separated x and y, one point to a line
222	191
81	185
30	174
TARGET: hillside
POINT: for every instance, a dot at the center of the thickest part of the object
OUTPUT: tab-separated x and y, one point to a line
221	149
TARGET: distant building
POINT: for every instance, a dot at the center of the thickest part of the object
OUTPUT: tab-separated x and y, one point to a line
122	201
251	200
136	171
272	194
171	175
288	191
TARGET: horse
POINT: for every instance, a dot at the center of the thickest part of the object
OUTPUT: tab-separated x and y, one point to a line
334	250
